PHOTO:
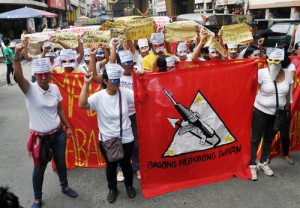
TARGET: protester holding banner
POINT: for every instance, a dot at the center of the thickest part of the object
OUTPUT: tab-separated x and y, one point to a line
265	107
139	52
285	133
102	58
149	62
111	103
47	137
69	62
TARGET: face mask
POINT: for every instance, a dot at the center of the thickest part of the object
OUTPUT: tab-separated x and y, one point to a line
274	70
68	63
159	49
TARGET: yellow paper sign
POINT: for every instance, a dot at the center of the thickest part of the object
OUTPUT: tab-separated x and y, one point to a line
237	33
116	29
139	28
35	42
94	38
181	31
69	38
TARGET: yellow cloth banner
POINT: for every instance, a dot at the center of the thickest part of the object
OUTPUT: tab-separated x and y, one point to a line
181	31
237	33
94	38
212	42
116	29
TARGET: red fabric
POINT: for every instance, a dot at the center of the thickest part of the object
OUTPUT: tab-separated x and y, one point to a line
59	4
82	149
229	88
34	147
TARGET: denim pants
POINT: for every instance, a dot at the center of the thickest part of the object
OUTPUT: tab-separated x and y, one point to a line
135	152
9	71
111	167
262	126
57	142
285	137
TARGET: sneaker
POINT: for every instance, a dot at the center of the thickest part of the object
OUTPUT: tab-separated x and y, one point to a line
138	174
130	192
10	84
265	168
112	195
120	176
253	172
289	160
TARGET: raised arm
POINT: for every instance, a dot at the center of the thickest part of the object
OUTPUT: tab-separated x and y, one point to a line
56	40
106	56
25	51
22	82
197	50
131	46
97	77
80	50
113	52
83	97
293	37
260	46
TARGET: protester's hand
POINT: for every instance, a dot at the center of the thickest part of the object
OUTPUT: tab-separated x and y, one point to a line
78	38
69	132
102	45
260	42
290	48
115	42
18	48
220	33
121	39
88	77
54	40
203	35
138	72
30	154
93	51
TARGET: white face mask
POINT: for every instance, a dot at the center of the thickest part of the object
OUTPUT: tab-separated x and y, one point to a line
274	70
159	49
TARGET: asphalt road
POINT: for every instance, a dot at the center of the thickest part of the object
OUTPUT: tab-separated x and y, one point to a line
282	190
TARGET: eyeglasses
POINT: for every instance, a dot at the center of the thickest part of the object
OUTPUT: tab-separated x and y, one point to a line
128	63
158	45
275	61
232	49
42	75
68	61
115	81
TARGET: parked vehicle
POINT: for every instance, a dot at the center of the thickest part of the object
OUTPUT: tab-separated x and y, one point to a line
279	33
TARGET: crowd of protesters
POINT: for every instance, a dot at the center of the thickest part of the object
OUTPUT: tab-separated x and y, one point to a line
112	68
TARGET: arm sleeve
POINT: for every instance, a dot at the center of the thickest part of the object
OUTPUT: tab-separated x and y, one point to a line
92	100
260	76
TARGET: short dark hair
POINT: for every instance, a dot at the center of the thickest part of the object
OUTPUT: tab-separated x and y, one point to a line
297	45
205	50
287	61
162	63
6	41
104	77
249	51
8	199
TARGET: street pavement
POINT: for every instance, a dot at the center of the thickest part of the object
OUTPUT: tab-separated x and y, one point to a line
282	190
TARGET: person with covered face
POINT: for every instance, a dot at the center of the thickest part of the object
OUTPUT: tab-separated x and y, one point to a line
102	58
142	50
265	106
232	50
107	103
149	61
68	61
182	52
47	137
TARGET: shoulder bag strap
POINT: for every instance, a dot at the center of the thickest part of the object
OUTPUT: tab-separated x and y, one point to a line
120	106
277	103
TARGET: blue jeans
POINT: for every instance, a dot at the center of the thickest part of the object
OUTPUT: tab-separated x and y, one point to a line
135	152
57	144
262	126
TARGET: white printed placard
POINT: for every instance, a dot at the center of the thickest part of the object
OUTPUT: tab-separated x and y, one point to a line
125	56
275	53
40	65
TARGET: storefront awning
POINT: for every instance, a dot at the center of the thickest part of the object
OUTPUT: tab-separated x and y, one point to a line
46	14
26	12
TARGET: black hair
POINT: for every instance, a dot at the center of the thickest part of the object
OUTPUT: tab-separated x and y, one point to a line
297	45
287	61
104	77
192	46
6	41
162	63
8	199
249	51
205	50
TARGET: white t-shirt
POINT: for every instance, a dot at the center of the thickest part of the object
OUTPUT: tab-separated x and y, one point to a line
99	69
290	68
108	114
137	58
42	107
126	82
265	100
84	67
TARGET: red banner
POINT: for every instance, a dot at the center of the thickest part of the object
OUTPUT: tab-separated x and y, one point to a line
295	117
82	148
194	124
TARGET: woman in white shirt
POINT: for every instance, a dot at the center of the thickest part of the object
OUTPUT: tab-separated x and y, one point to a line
265	107
106	104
